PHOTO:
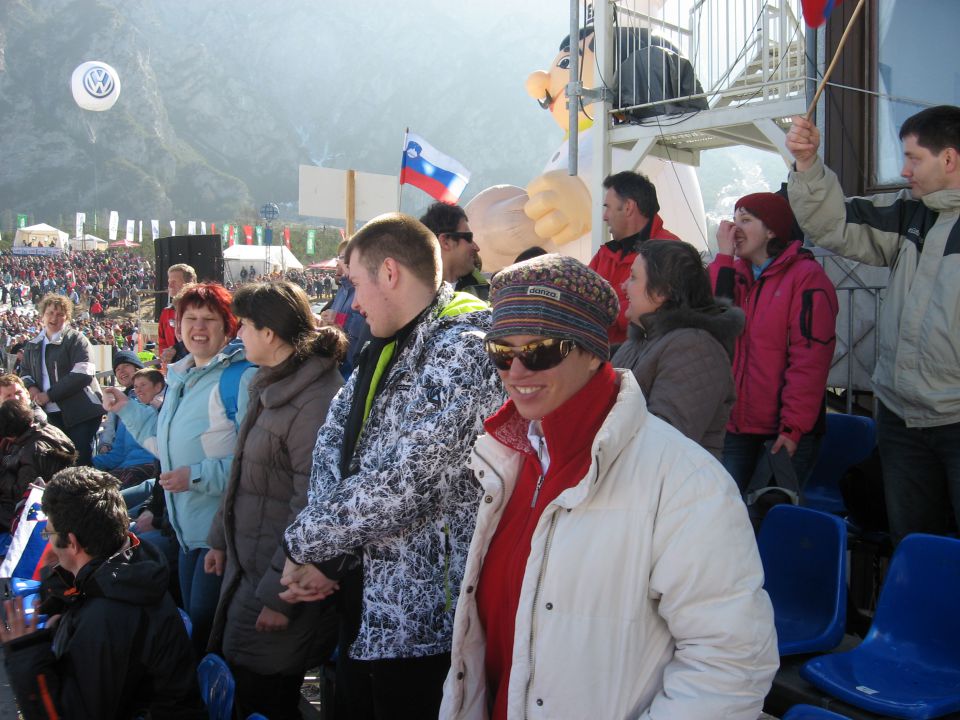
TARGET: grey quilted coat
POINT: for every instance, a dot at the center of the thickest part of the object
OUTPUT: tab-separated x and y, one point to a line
267	488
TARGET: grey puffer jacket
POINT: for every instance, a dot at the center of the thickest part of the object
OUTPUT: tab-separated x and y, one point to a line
681	360
266	490
410	501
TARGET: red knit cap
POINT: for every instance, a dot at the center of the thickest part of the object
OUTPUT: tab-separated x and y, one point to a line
772	210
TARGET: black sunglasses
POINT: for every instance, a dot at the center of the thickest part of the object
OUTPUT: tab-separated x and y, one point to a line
535	356
468	236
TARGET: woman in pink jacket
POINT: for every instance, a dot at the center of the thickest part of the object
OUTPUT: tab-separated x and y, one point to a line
781	360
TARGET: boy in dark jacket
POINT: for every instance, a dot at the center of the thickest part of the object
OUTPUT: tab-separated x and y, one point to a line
119	648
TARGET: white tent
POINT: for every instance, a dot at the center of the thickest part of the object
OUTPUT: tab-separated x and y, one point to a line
40	239
88	242
264	259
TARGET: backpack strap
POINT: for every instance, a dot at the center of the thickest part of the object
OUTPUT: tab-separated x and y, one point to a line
230	386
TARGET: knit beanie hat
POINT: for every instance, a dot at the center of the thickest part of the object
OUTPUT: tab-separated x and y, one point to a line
554	296
125	356
771	209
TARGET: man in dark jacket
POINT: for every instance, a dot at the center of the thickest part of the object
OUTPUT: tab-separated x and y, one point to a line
120	648
459	252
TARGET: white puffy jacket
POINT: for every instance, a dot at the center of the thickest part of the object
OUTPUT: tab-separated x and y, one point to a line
642	596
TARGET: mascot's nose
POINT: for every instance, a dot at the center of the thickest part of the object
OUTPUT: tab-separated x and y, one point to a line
537	85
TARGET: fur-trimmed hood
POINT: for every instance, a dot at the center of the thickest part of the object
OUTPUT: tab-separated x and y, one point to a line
722	320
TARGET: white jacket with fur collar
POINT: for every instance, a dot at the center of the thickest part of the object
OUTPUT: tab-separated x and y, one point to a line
642	596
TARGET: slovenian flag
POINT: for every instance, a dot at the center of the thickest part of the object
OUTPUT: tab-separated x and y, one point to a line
816	12
27	551
425	167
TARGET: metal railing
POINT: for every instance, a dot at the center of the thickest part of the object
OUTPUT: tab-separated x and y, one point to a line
738	51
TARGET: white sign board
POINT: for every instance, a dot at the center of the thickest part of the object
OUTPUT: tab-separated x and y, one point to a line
323	193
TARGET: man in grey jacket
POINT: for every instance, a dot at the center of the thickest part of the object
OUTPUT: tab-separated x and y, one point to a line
916	234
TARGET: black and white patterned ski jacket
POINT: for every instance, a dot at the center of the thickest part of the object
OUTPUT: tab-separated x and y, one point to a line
410	502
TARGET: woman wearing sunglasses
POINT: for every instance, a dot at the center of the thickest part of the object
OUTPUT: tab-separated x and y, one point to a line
680	341
613	570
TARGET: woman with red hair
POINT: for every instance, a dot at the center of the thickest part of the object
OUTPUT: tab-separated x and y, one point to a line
194	435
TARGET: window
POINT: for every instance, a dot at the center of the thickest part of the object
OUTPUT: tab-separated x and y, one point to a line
916	67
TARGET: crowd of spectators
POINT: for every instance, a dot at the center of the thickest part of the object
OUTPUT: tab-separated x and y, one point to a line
93	281
317	284
475	440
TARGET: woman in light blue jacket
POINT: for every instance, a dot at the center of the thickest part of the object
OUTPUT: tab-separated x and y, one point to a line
194	436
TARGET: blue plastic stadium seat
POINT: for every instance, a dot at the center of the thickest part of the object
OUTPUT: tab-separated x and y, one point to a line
22	587
187	623
849	440
216	687
809	712
804	564
908	665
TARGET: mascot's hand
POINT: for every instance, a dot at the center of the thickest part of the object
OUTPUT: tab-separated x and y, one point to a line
559	205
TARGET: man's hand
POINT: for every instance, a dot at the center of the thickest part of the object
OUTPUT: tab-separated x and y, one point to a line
803	139
726	233
559	205
783	442
104	448
271	621
143	523
41	399
305	583
214	561
328	317
17	623
168	355
175	480
114	399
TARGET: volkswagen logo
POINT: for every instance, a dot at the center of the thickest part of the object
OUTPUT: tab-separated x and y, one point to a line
98	82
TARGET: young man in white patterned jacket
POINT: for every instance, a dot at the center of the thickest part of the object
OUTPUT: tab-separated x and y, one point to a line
390	485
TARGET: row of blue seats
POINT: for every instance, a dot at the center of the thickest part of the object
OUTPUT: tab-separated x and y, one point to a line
908	665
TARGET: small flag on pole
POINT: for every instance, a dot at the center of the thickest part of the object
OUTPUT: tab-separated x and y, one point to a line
817	12
311	241
425	167
25	555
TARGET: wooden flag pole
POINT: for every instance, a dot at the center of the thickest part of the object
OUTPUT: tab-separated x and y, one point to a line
400	184
351	198
836	57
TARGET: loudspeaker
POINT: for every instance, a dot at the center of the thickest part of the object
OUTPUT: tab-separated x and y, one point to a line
204	253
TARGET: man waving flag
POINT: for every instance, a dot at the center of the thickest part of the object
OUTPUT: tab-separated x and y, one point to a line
425	167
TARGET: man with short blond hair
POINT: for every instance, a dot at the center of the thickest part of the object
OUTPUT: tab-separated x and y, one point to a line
390	482
169	346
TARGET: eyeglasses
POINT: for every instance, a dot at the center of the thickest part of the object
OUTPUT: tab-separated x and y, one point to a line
468	236
535	356
45	534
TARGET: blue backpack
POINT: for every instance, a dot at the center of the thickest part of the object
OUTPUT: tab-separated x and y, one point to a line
230	385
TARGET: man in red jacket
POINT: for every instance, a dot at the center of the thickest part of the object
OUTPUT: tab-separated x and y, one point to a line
169	346
630	210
